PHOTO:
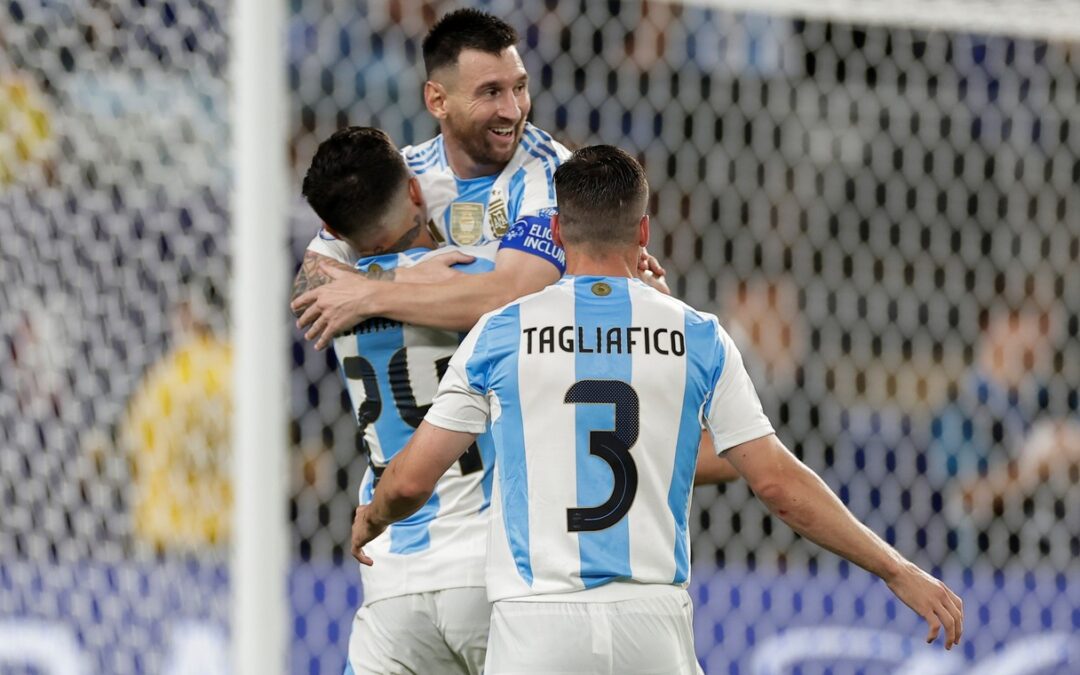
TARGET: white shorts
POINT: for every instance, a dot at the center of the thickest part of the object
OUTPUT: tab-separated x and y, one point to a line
651	635
434	632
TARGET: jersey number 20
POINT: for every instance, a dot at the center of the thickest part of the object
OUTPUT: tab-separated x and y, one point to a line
359	368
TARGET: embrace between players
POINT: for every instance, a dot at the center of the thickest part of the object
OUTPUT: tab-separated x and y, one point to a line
527	501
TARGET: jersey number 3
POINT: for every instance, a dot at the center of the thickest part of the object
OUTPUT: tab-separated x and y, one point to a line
612	446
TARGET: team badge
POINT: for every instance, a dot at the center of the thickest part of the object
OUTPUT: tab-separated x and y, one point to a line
601	289
466	222
497	215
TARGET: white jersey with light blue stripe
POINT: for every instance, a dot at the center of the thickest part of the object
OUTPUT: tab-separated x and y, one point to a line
595	391
479	210
391	371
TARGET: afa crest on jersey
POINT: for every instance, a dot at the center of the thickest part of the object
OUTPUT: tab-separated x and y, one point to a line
498	217
466	222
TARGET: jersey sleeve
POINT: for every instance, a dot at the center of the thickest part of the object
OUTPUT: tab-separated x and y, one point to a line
461	402
328	245
533	235
734	413
547	155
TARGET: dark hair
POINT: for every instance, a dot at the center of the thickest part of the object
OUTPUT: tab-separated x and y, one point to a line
602	193
354	178
465	29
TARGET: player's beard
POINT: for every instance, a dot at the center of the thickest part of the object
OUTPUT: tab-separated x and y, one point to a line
478	144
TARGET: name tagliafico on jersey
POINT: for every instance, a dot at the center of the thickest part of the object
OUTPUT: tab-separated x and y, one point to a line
617	340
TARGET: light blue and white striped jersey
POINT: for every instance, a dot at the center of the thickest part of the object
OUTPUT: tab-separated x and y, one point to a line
476	211
391	371
595	391
479	210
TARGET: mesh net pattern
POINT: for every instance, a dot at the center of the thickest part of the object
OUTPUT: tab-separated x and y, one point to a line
882	210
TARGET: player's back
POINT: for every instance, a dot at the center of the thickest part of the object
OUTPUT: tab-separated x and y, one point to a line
600	384
391	371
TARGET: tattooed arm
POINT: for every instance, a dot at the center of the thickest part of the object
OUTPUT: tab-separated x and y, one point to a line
309	275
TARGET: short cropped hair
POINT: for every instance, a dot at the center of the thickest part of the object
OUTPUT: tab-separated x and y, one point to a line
465	29
355	177
602	193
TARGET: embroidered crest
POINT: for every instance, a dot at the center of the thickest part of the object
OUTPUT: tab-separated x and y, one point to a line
497	214
466	222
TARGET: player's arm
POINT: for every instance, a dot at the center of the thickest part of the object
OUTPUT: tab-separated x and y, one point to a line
711	468
452	306
796	495
317	270
311	274
408	482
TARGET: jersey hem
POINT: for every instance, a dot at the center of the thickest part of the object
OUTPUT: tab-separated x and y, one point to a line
451	424
725	442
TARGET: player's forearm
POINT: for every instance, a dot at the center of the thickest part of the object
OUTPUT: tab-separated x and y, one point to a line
456	306
397	497
310	275
802	500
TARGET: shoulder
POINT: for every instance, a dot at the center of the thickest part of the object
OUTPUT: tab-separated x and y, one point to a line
510	313
388	261
424	156
546	141
539	147
642	292
483	254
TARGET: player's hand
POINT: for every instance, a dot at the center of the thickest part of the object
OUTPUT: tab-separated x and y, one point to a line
652	273
435	270
363	531
932	600
335	306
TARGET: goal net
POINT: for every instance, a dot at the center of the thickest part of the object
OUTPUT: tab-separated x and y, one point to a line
879	200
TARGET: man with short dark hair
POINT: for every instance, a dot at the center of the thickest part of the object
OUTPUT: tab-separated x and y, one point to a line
595	392
424	607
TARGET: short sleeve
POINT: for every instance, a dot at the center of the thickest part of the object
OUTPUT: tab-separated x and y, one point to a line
734	412
461	402
328	245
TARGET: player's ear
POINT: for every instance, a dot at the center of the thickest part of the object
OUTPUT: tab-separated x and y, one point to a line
556	231
435	99
416	195
643	231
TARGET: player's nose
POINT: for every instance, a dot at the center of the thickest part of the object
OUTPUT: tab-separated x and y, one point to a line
508	107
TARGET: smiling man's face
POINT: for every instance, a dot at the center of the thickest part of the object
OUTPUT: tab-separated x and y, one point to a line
487	103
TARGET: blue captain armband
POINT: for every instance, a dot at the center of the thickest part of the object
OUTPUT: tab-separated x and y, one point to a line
532	234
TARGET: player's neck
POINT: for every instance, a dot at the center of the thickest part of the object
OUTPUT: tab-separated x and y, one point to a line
463	165
614	264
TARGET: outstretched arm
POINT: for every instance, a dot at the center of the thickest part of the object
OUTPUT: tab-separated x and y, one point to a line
801	499
453	306
408	482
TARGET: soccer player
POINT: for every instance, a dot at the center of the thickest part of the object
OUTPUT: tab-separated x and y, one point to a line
487	173
424	609
595	392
